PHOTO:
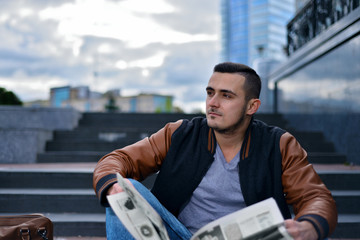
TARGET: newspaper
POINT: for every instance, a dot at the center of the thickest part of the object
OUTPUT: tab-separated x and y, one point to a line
136	214
262	220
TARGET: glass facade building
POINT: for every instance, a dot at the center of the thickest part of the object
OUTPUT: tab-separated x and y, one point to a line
318	87
331	84
322	74
254	28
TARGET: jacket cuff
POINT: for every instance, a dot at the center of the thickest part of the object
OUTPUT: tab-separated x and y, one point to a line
320	224
103	186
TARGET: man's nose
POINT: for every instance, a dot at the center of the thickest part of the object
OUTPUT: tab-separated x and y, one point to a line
214	101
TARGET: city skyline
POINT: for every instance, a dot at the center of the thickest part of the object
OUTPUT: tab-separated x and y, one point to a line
164	47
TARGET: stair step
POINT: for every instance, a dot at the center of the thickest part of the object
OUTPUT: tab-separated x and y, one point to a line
52	179
49	200
74	224
272	119
87	146
132	119
348	227
70	156
105	134
326	157
46	179
340	179
93	225
317	146
100	133
347	202
82	178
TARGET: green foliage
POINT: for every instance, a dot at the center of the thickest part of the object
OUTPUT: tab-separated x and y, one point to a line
9	98
111	105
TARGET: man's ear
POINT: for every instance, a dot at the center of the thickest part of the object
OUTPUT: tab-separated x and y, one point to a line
253	106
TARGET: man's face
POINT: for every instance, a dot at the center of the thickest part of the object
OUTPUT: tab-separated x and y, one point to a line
225	102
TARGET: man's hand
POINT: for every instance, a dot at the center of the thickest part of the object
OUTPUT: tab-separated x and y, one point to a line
301	230
115	188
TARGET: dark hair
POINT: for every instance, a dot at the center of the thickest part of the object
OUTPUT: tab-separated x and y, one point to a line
252	84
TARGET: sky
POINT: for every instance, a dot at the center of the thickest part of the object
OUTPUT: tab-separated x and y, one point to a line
138	46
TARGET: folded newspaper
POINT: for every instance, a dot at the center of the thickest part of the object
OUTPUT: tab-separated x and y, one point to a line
262	220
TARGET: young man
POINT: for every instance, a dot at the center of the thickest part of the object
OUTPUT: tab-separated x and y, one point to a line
210	167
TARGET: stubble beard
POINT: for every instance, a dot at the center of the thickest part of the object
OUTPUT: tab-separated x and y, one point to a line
233	128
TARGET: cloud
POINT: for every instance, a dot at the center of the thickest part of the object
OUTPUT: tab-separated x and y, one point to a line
158	46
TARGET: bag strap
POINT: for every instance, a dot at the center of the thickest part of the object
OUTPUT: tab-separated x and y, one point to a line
25	233
42	232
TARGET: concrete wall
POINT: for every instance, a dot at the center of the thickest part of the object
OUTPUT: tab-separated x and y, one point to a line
24	131
341	129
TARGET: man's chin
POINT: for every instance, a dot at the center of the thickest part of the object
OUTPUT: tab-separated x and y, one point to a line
211	123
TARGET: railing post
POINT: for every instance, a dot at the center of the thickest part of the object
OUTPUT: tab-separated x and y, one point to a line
275	106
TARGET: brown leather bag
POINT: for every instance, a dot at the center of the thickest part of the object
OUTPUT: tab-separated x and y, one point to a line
26	227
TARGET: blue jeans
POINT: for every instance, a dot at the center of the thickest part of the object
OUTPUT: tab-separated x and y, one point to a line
115	229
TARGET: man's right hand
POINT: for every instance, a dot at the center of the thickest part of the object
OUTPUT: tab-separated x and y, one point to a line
115	188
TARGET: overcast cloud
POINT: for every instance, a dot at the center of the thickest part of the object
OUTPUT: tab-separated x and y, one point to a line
157	46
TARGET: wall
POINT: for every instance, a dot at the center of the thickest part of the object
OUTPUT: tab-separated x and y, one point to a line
24	131
342	129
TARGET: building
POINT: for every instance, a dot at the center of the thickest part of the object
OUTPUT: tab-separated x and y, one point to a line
84	100
318	87
255	28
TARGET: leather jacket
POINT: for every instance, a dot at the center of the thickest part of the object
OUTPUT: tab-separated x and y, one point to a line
294	182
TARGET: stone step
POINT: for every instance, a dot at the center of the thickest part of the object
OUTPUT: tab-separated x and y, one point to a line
272	119
74	179
82	178
348	227
79	225
311	141
132	119
93	225
50	185
91	145
326	158
157	120
98	145
347	202
46	178
70	156
49	200
341	180
74	224
68	221
317	146
105	134
52	179
87	225
94	156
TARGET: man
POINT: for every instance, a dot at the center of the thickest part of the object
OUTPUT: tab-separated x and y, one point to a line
210	167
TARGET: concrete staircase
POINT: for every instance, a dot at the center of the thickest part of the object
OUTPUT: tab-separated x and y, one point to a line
60	186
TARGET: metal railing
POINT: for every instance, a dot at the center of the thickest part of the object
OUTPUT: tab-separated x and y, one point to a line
314	18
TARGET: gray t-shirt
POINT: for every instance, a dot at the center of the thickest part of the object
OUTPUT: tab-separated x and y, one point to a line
217	195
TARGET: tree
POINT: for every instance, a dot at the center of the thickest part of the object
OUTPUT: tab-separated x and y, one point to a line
9	98
111	104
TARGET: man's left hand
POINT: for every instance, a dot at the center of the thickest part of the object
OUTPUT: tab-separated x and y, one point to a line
301	230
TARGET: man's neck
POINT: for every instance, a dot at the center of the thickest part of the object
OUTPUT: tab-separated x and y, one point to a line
230	143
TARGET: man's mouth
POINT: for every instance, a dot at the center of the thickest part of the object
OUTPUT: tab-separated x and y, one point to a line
212	112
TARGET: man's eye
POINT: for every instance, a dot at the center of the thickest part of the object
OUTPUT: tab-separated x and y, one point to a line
227	96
